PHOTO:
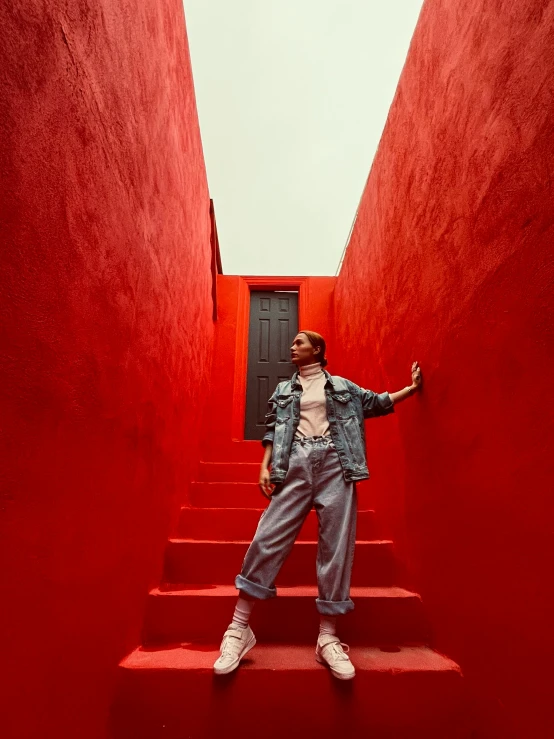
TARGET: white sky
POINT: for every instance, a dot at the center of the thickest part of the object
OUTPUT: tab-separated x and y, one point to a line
292	97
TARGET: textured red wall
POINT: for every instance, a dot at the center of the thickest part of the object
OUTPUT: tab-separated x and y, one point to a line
216	436
450	263
107	334
317	311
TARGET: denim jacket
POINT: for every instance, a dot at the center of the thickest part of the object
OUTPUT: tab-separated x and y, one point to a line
347	406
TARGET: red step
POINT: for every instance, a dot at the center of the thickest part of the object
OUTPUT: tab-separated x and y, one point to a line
281	691
214	562
381	616
236	451
246	495
232	524
226	495
229	471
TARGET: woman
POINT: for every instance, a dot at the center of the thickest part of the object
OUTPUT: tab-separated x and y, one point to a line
314	453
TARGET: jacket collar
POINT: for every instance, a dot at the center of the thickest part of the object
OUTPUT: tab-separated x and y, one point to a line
295	382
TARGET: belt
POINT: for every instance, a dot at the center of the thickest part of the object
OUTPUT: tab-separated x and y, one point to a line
312	439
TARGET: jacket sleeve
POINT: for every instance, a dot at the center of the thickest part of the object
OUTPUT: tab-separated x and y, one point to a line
270	417
375	404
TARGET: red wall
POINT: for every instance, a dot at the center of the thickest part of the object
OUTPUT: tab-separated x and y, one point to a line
107	334
450	263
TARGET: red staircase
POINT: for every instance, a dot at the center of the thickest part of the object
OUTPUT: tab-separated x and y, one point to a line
403	688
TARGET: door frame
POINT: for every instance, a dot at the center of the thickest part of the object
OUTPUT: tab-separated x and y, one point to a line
246	286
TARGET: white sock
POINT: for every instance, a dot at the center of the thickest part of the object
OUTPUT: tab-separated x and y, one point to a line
242	613
328	625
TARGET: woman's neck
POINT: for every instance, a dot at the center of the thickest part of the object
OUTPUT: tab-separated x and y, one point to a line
311	370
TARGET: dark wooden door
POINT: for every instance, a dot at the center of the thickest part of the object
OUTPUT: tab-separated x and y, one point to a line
273	326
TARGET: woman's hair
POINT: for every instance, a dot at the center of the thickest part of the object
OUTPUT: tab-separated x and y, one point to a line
317	340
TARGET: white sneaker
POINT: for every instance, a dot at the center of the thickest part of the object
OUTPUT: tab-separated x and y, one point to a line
330	651
236	643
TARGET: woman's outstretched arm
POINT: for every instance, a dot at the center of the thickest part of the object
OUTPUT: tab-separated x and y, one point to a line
401	395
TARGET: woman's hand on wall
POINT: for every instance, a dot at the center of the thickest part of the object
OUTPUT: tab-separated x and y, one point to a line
401	395
416	376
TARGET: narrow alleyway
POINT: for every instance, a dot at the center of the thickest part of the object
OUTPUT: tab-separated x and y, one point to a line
167	688
129	492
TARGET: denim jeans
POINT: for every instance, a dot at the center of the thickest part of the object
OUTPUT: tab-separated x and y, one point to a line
314	479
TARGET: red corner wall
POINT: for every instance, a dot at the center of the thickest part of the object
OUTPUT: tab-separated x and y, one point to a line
450	263
107	334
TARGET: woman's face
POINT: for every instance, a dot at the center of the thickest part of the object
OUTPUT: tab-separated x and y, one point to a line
302	352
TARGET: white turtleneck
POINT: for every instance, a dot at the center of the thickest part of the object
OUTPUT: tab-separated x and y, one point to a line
313	410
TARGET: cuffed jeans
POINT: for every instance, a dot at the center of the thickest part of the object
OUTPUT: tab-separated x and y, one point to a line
314	479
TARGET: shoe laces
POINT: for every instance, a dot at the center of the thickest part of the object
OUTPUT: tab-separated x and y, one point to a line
230	645
341	650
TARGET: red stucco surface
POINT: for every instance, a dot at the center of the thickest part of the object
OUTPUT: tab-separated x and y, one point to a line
106	335
450	263
107	327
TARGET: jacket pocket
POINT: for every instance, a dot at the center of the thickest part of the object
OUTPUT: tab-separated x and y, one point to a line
283	400
342	397
344	406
